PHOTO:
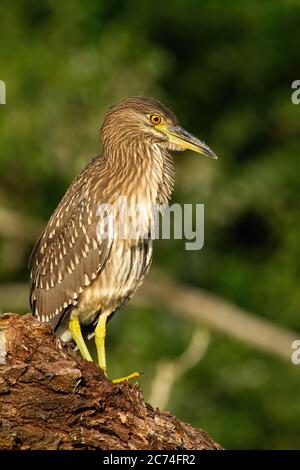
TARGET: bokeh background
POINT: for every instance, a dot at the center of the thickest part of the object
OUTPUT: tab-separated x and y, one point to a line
226	69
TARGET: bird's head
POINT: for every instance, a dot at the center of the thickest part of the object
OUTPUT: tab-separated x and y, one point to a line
139	119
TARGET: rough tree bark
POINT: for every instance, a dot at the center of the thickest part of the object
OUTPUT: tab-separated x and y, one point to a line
50	398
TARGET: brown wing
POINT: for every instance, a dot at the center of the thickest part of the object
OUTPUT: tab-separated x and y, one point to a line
68	255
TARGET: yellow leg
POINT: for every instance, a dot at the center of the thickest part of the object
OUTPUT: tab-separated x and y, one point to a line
100	333
74	327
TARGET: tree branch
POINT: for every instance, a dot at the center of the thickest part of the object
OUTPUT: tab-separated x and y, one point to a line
217	314
167	372
50	398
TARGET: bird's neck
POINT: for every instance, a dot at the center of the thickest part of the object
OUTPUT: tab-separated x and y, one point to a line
143	171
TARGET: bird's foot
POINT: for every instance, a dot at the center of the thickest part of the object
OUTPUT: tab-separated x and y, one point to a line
127	377
122	379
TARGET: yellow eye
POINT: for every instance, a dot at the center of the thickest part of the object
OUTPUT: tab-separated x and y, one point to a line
155	119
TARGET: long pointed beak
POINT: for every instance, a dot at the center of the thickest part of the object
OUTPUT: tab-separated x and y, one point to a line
179	136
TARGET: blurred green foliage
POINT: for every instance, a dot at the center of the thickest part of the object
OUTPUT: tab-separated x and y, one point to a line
226	70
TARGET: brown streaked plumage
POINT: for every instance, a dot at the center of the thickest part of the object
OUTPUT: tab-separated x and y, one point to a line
75	272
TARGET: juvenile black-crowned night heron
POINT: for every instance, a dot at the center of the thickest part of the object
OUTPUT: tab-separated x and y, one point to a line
83	271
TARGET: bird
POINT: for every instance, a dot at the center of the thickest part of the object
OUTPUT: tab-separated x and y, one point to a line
79	277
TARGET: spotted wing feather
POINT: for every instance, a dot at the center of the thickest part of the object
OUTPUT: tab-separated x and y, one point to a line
68	256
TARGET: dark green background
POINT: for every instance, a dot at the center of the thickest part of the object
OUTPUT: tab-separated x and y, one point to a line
225	69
